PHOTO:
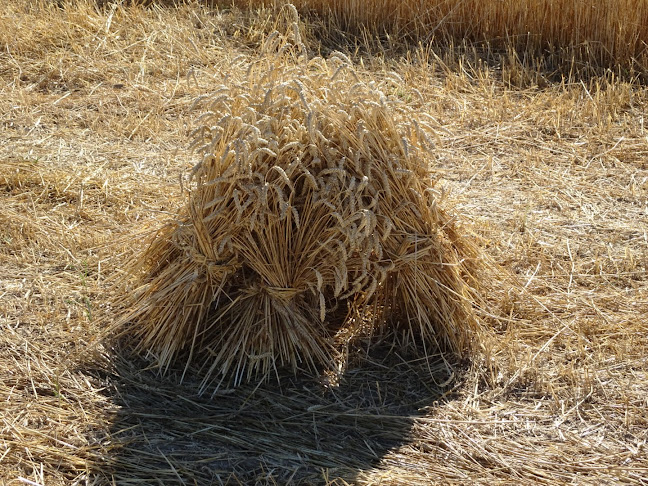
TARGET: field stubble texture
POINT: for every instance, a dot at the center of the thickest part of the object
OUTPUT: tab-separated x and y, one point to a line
95	109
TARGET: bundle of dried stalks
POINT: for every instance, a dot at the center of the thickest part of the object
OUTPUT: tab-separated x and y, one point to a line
313	218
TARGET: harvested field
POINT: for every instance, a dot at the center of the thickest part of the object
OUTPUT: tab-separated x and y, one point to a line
550	182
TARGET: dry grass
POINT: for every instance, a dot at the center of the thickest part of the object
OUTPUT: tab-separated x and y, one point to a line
95	115
568	37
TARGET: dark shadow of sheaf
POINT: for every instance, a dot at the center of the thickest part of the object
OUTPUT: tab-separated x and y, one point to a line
295	431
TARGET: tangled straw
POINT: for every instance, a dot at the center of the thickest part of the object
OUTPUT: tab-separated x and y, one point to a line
313	219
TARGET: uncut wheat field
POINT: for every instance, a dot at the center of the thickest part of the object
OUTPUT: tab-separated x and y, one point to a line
480	170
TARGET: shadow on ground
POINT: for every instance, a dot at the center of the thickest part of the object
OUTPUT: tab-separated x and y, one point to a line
297	431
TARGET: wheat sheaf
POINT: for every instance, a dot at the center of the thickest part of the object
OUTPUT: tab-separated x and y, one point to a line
312	218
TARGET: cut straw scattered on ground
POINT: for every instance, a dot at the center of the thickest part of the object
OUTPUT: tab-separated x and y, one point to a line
95	120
